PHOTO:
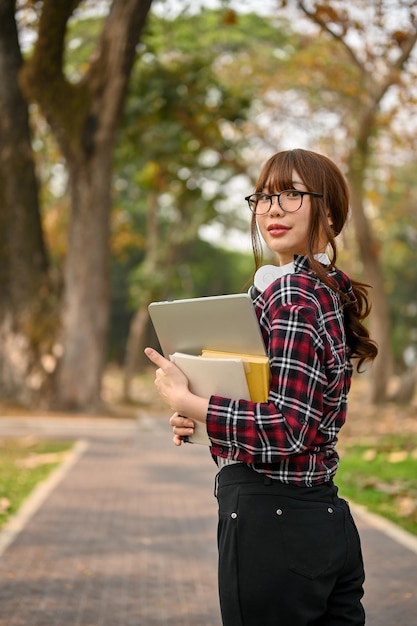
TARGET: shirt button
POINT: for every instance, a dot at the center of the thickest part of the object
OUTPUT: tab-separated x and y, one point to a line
233	515
221	449
330	510
279	511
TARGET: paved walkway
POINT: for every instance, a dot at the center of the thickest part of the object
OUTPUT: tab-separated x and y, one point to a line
125	535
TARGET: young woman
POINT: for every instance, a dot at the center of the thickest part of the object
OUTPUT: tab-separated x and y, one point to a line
289	551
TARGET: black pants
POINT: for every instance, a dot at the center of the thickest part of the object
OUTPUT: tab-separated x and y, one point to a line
288	556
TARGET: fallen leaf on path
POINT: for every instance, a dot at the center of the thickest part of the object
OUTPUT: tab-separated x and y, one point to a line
369	455
398	456
36	460
406	506
4	504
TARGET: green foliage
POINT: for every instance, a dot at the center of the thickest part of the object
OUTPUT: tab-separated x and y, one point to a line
397	228
383	477
214	32
189	84
180	147
81	40
199	269
201	79
204	270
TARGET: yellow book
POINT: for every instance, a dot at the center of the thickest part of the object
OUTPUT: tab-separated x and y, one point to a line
256	370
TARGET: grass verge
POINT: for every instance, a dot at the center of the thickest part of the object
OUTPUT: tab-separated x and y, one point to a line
383	478
23	464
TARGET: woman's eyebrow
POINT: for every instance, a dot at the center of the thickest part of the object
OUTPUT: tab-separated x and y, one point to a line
265	189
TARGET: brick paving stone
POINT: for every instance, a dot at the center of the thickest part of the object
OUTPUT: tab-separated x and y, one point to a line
128	538
391	579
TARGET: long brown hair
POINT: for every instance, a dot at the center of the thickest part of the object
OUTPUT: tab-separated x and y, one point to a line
320	174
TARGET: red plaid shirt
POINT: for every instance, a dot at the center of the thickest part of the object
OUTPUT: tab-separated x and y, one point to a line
292	437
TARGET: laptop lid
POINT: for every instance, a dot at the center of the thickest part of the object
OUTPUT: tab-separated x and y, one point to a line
226	323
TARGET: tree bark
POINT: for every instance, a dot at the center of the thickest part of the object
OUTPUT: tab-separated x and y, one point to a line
86	297
85	118
137	329
23	259
369	254
406	388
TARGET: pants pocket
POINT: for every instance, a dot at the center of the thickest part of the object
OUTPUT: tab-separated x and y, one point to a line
313	538
308	536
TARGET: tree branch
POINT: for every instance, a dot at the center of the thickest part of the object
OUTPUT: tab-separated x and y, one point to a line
379	89
315	17
88	112
48	53
42	77
114	57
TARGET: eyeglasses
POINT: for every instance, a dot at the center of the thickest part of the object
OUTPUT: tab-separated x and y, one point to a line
289	201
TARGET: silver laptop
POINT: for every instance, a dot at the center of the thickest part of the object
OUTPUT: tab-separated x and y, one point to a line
227	323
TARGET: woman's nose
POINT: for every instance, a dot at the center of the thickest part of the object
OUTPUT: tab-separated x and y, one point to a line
275	207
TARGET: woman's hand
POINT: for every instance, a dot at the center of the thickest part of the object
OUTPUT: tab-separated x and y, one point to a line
181	427
173	387
169	380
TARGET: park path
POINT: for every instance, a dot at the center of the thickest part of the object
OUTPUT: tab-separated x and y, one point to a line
126	536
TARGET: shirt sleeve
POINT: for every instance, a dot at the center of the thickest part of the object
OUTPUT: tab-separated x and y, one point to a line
287	424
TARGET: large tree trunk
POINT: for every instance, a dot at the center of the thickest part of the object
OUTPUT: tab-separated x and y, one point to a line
23	261
84	118
369	253
406	388
85	307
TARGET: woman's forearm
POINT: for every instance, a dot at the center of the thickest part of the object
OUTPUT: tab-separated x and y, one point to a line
194	407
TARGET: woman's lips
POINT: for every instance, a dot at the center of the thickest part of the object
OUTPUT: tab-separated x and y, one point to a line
277	229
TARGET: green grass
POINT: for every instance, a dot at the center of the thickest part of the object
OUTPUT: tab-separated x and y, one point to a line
383	478
23	464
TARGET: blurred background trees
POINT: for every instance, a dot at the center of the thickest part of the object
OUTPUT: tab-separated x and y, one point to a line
148	124
23	256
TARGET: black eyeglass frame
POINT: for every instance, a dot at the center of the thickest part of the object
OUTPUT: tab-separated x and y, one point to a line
315	194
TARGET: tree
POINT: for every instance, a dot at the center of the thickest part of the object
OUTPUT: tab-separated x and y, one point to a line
186	160
397	224
379	59
345	84
178	200
25	305
84	115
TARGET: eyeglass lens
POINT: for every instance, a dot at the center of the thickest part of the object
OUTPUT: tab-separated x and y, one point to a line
289	201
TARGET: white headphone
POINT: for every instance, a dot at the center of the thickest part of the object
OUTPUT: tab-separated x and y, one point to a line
267	274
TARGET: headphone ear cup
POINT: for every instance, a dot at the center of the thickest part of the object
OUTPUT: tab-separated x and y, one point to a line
267	274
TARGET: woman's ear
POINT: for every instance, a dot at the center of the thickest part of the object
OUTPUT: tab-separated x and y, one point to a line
329	219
